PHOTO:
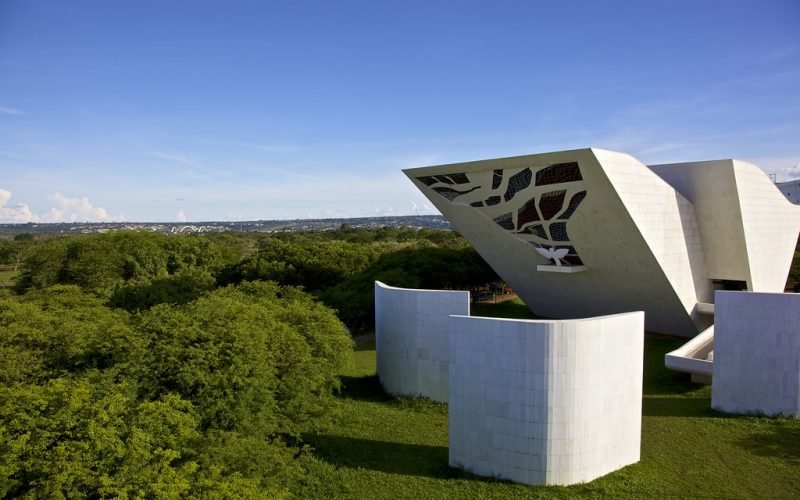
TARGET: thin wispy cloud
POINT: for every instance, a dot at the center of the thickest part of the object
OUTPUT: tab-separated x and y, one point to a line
299	173
780	53
5	110
194	168
13	156
272	148
663	147
175	158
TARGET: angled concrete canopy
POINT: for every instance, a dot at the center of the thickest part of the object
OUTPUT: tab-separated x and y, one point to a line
592	232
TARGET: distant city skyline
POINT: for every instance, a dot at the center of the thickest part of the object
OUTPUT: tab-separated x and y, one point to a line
244	110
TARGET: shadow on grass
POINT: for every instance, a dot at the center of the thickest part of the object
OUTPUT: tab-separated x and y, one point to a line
394	458
678	407
366	345
779	441
658	380
367	388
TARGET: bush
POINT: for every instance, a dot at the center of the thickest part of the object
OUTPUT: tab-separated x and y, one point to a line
204	399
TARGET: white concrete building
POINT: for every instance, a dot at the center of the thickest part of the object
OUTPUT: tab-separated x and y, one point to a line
592	232
757	354
545	402
411	343
790	189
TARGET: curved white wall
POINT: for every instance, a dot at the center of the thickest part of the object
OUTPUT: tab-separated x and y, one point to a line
545	402
757	353
411	346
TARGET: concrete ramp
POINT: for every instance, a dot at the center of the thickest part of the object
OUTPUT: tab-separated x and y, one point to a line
695	357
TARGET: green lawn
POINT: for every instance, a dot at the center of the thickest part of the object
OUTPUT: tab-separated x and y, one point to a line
7	278
385	447
513	308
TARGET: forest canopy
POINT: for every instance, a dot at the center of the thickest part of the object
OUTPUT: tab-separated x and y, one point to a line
144	365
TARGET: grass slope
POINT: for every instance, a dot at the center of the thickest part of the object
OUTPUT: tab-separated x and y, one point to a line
7	282
385	447
7	278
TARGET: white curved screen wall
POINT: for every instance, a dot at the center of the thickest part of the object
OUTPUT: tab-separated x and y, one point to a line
757	353
545	402
411	339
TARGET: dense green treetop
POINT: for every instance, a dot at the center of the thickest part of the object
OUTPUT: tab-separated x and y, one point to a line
204	399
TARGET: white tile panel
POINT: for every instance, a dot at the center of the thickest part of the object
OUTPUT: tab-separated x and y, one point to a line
411	344
757	353
545	402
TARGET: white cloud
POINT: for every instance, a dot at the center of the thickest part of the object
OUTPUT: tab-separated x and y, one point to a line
180	217
14	214
65	210
423	209
785	168
74	210
384	211
792	172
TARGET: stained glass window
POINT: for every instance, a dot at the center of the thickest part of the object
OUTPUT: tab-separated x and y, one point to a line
551	203
576	200
558	174
505	221
527	213
558	231
518	182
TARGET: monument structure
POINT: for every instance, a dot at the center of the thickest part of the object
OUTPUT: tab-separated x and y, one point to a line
593	232
597	235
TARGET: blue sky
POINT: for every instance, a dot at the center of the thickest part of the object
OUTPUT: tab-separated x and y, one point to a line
197	110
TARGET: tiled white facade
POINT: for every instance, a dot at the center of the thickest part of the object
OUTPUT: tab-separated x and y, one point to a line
757	353
545	402
411	328
651	238
736	230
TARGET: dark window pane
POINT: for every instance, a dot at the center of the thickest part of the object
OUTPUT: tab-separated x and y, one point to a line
558	231
497	179
459	178
451	193
535	230
444	179
505	221
427	180
551	203
518	182
527	213
576	200
558	173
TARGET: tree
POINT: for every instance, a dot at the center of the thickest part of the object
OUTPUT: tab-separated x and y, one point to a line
204	399
309	263
254	359
433	268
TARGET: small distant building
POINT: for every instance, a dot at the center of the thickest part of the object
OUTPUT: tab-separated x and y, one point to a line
791	189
